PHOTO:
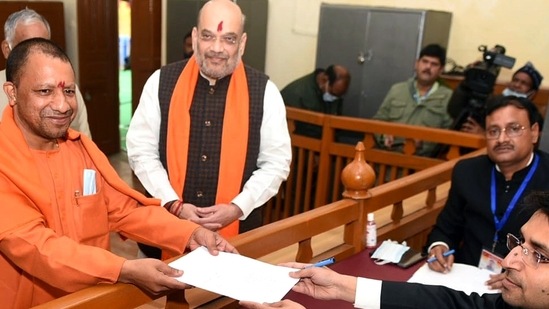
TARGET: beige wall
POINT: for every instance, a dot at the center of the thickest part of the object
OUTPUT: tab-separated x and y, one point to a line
521	26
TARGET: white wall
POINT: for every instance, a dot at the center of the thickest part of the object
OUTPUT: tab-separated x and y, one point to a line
521	26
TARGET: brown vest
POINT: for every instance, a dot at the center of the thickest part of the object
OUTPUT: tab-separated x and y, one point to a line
206	129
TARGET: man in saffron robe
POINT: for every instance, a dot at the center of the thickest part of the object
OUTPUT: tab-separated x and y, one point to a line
55	223
209	137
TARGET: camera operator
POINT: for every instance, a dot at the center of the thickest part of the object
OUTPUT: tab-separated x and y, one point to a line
524	83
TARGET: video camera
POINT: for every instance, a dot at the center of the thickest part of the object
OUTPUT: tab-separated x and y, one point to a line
479	82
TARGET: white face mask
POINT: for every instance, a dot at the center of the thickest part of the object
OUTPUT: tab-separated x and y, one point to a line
328	97
508	92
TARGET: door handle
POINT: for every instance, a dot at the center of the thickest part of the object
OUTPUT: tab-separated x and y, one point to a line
360	59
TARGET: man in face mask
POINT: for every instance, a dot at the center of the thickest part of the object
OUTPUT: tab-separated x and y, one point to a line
524	84
321	91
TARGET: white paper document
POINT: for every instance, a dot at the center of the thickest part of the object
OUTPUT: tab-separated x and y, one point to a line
462	277
235	276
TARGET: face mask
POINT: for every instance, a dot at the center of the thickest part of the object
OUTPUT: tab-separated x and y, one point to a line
328	97
509	92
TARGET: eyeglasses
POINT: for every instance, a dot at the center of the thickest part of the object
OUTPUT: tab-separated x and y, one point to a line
512	130
530	257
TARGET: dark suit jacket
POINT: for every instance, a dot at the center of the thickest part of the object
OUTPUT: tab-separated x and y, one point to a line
466	223
399	295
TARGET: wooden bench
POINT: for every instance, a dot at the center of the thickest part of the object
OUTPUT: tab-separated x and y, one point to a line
316	166
405	210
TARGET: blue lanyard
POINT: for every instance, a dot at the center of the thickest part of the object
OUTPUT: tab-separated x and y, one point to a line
500	223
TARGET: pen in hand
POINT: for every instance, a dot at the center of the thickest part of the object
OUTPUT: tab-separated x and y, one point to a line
322	263
445	254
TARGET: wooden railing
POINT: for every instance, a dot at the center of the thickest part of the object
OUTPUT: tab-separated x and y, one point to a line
406	210
314	179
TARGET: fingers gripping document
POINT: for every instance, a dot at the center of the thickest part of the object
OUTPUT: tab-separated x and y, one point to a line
235	276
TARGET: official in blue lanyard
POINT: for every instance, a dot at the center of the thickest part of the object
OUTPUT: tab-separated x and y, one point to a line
485	200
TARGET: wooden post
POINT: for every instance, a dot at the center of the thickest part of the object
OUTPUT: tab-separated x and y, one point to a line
358	176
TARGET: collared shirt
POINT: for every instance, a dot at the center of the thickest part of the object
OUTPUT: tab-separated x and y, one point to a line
439	243
418	98
368	293
273	161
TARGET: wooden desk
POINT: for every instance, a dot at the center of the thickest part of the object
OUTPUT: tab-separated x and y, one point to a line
357	265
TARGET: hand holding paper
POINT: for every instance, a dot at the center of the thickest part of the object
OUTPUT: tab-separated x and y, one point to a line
235	276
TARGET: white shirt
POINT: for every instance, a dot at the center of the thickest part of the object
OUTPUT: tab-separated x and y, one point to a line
273	161
368	293
80	122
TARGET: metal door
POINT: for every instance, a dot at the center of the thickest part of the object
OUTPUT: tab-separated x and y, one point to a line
391	48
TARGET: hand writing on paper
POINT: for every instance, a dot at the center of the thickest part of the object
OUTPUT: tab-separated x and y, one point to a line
442	264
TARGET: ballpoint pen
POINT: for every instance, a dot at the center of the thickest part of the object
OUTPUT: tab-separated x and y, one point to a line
445	254
322	263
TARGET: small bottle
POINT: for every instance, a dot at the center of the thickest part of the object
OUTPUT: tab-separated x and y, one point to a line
371	232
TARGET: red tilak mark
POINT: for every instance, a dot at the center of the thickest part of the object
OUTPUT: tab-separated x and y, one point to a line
220	26
61	85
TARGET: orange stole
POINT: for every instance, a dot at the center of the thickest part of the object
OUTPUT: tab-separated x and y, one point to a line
234	139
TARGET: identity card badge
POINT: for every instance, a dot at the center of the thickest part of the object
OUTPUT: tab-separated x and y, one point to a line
490	261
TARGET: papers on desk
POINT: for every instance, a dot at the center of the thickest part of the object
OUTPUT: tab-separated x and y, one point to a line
235	276
462	277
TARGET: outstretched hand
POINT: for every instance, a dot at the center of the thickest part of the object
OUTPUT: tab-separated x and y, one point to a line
152	275
323	283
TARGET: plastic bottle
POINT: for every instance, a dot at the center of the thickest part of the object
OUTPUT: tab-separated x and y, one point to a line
371	232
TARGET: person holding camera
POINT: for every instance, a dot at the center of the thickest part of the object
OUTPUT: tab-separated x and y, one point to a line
525	83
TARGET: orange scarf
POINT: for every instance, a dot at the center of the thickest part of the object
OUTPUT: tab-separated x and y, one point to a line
234	139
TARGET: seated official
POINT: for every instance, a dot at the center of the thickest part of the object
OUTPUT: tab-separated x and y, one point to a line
524	285
486	197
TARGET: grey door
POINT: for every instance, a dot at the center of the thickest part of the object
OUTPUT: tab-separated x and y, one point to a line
392	40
